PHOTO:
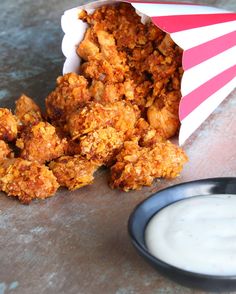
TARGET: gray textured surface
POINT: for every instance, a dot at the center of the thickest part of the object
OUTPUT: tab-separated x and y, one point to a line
77	242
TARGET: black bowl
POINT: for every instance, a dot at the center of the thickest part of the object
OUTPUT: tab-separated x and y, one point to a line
144	212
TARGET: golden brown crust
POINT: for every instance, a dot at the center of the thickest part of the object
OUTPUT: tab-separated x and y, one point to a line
132	61
70	94
120	115
121	110
73	172
163	114
5	150
8	125
27	111
138	166
101	145
41	143
27	180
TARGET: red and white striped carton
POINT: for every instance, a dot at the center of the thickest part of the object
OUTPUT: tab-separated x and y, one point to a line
206	34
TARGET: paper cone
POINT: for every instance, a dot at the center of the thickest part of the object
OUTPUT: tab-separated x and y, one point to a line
206	34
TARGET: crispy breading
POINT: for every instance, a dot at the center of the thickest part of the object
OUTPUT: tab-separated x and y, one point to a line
107	65
27	111
120	110
102	145
132	61
138	166
120	115
27	180
5	150
70	94
105	92
101	70
73	172
89	46
144	134
163	114
41	143
8	125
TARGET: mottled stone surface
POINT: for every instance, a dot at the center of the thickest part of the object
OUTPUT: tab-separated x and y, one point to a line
77	242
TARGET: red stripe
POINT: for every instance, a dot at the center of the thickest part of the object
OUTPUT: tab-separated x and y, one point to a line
191	101
176	23
198	54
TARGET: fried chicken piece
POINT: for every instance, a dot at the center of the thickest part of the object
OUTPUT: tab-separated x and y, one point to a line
138	166
5	150
27	180
105	93
103	61
70	94
167	46
120	115
8	125
101	145
41	143
144	134
100	69
73	172
122	21
27	111
163	114
89	46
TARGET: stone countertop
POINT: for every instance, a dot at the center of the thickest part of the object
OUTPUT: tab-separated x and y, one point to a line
77	242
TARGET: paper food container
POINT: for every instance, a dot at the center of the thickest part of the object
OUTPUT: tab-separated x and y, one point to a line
206	34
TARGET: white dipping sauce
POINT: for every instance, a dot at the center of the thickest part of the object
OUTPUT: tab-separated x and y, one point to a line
196	234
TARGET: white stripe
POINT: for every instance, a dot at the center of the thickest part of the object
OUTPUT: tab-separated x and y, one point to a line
194	37
69	44
71	64
155	9
190	123
74	30
201	73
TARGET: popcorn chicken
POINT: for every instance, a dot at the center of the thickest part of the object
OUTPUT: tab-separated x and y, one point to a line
73	172
138	166
105	93
145	135
70	94
120	110
41	143
163	114
89	46
5	150
27	180
120	115
8	125
27	111
101	145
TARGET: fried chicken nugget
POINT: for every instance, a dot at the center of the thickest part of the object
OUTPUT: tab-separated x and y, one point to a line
73	172
138	166
163	114
8	125
5	150
70	94
101	145
120	115
27	180
100	69
106	93
144	134
41	143
89	46
27	111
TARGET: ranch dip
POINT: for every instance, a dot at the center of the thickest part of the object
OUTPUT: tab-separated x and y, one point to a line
197	234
